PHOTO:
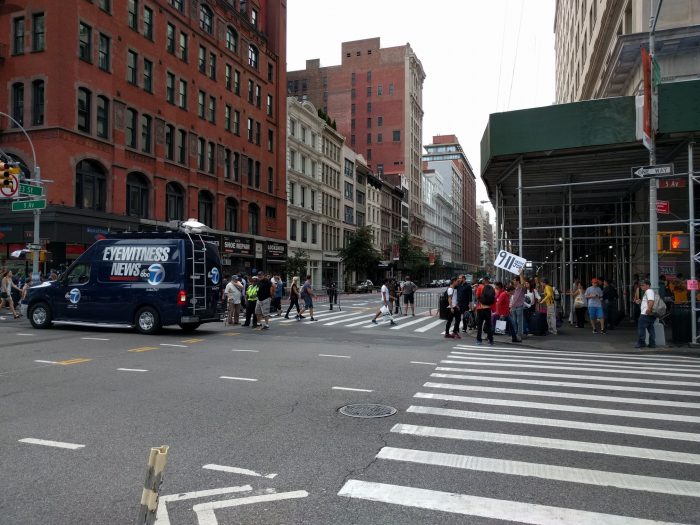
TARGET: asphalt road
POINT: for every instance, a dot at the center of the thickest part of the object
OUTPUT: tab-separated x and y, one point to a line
482	435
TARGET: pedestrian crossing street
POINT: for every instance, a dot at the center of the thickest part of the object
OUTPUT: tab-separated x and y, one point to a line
496	434
362	318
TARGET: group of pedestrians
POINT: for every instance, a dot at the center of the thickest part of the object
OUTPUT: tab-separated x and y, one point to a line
391	293
8	283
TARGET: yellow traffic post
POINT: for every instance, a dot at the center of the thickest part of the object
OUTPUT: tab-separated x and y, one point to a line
154	477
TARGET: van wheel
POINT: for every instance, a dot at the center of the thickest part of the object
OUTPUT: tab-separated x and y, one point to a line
147	320
189	327
40	315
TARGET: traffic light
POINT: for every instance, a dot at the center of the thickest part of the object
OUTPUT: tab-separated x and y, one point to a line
7	170
672	242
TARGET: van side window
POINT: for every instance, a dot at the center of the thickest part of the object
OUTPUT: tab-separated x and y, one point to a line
79	275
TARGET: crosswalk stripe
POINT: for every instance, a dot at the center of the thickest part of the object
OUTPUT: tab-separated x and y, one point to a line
561	423
580	368
595	378
482	507
680	359
328	315
548	443
399	321
568	395
676	487
479	355
561	408
429	326
579	385
414	321
537	363
365	318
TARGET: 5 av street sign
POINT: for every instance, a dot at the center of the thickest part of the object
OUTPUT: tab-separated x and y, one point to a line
651	171
38	204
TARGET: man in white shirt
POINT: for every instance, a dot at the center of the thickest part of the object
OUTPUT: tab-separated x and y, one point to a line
647	317
385	304
452	310
234	293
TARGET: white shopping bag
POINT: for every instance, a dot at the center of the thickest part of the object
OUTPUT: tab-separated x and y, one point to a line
500	326
385	310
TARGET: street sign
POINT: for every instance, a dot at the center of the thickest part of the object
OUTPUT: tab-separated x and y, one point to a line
10	190
655	72
38	204
651	171
672	183
32	246
663	207
692	284
28	189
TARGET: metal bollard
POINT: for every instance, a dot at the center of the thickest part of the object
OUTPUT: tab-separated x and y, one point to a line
154	477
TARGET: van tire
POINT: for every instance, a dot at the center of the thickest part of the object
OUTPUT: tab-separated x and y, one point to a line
147	320
189	327
40	315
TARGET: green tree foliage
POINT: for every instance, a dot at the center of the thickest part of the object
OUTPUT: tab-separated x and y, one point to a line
359	255
296	264
413	260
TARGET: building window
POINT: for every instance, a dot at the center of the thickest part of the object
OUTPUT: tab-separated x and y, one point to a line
85	42
292	229
270	140
212	110
231	39
380	121
391	89
270	180
304	228
269	105
227	164
396	135
177	4
201	147
211	159
170	87
349	215
237	82
183	46
18	36
236	122
250	129
253	55
170	38
258	95
147	75
352	140
369	122
369	107
90	186
257	133
270	212
369	138
257	174
37	103
205	205
103	53
174	202
227	117
253	219
132	67
369	76
131	121
146	133
182	94
228	71
254	17
249	171
106	5
369	91
137	195
349	190
182	146
169	142
236	166
270	72
38	32
133	17
380	138
201	104
212	66
148	23
380	91
352	93
250	91
202	59
231	215
206	19
84	105
102	117
314	233
359	197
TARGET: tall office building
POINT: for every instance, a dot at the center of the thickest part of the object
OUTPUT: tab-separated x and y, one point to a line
446	157
597	45
147	111
375	97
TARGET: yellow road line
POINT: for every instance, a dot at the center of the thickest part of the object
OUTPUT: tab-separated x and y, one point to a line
144	349
232	333
192	340
73	361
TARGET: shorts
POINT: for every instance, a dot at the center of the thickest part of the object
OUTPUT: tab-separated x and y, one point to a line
308	301
263	307
408	298
595	312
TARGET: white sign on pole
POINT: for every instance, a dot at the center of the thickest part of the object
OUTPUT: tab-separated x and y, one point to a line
508	261
11	190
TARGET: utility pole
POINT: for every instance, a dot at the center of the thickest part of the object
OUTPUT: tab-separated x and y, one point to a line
653	254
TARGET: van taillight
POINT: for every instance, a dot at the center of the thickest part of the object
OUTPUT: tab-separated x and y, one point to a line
182	298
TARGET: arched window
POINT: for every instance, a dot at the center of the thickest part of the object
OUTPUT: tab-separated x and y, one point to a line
137	195
231	215
231	39
253	219
174	202
205	206
253	55
90	186
206	19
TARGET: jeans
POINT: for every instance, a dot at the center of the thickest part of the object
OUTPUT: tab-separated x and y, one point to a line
517	317
527	316
293	301
552	318
452	313
483	320
646	323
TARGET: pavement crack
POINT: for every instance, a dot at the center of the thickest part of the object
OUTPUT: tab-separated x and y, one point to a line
362	469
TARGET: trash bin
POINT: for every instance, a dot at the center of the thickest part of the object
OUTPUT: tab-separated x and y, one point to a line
680	323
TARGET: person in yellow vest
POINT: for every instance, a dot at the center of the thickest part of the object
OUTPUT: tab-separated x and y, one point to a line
548	300
680	294
251	295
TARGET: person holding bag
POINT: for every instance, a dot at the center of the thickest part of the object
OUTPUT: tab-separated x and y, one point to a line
579	305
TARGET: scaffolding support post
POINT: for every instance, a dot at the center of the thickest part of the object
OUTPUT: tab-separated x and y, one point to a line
571	249
691	238
520	209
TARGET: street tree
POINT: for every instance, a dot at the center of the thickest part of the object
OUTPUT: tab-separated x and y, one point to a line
359	254
296	264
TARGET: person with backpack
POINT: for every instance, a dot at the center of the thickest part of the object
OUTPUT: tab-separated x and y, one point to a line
485	298
646	317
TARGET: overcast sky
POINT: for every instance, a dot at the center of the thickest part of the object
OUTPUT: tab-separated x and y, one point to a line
480	57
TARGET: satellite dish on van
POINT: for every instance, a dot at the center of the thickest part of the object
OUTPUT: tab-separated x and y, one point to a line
193	226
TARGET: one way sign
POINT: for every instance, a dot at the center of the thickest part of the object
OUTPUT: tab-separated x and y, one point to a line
651	171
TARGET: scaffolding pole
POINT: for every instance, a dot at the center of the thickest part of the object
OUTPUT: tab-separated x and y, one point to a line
520	209
691	238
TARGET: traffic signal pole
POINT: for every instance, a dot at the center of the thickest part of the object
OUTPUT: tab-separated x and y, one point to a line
653	229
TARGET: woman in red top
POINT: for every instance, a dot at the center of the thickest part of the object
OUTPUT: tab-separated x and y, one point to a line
503	309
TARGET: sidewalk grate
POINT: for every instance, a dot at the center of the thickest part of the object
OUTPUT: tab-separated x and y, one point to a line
367	410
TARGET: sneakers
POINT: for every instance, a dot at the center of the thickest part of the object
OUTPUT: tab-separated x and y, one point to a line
604	332
393	323
312	319
265	327
641	346
298	317
490	343
595	331
286	317
301	317
374	321
479	343
448	336
456	335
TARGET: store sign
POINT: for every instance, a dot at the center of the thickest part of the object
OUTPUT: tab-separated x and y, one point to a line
276	250
237	246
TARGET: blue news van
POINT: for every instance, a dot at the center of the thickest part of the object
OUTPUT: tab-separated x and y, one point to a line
136	280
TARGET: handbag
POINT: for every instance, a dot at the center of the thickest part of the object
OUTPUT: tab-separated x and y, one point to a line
384	310
501	325
579	302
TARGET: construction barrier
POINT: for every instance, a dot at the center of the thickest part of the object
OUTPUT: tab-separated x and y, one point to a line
154	477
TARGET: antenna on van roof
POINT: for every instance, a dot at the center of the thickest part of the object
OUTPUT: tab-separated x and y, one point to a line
193	226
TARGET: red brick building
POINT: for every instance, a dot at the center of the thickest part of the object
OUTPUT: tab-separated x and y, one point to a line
375	96
147	111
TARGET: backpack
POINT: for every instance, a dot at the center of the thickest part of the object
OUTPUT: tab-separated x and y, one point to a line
488	295
304	291
659	308
443	307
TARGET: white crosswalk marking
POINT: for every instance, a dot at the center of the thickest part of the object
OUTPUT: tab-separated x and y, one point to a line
429	326
491	412
410	323
527	351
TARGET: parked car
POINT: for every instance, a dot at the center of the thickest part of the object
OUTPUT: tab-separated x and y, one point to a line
364	286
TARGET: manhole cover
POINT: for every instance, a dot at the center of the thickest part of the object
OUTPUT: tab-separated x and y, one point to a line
367	410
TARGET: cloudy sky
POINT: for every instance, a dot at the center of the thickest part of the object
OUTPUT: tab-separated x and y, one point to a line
480	57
